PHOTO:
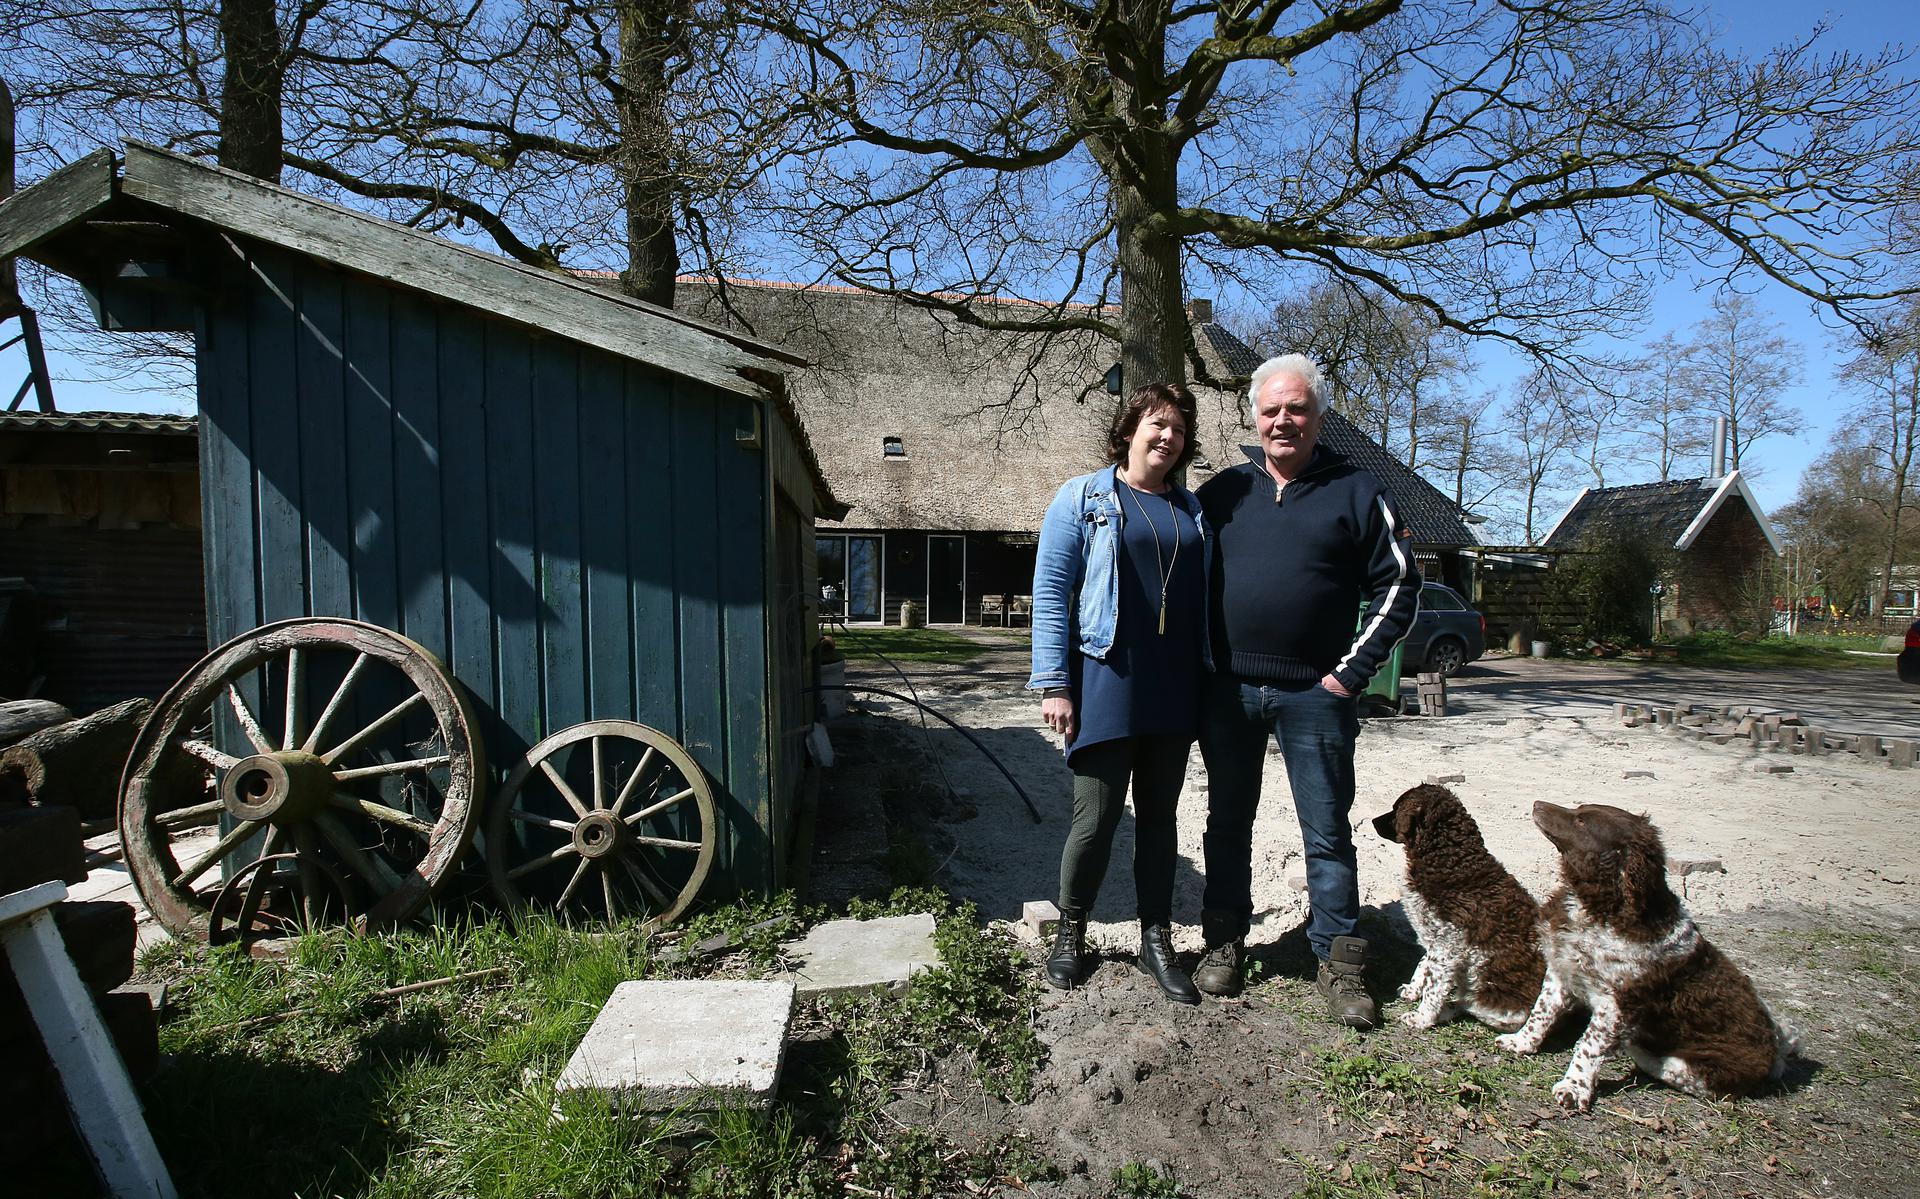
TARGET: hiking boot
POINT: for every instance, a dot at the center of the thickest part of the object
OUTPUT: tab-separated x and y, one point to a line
1219	971
1069	946
1342	983
1156	958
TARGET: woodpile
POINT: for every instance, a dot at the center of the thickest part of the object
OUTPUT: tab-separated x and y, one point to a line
75	764
1767	732
41	842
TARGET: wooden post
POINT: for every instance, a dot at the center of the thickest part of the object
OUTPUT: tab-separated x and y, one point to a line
99	1093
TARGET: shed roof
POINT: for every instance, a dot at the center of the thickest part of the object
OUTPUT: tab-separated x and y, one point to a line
1673	510
98	217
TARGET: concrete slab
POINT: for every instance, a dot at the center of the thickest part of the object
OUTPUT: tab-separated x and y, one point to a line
842	956
659	1045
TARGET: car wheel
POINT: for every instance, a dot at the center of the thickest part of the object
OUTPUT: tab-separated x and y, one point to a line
1447	656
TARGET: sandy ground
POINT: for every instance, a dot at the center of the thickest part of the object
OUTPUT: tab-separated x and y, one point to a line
1831	832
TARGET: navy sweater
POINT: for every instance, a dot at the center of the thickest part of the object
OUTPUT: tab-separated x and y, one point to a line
1292	566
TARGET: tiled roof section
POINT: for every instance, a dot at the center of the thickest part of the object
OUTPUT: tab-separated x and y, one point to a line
93	422
1664	509
1223	349
1433	519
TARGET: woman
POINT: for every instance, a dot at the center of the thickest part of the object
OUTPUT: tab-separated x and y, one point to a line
1119	653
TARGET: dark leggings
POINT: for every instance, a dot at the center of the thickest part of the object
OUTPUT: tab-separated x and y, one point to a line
1156	766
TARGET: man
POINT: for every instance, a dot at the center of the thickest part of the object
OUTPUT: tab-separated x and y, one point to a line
1303	536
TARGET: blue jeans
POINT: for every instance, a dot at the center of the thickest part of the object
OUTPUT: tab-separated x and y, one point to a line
1315	730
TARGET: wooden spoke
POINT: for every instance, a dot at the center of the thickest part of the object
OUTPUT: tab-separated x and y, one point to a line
636	870
642	877
667	843
381	812
384	768
579	872
340	693
183	815
221	848
660	807
392	714
539	821
248	723
599	787
208	754
338	675
526	868
560	784
250	903
369	866
633	780
292	736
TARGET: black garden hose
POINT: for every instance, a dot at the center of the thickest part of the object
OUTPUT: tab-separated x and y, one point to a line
941	716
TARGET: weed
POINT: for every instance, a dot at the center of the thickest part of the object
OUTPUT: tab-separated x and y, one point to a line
1359	1083
1354	1180
1145	1181
1547	1167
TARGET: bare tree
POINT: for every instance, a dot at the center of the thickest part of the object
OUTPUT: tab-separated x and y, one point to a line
1467	454
1669	424
1540	439
1736	364
1519	172
1885	424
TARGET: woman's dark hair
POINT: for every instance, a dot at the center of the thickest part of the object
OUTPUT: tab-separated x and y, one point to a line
1144	400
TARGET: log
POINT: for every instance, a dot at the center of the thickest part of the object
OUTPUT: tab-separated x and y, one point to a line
77	764
20	718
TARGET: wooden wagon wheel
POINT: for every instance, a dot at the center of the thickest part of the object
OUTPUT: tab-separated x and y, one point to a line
374	783
606	819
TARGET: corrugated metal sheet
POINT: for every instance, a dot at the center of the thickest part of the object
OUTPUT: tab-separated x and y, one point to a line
121	609
93	422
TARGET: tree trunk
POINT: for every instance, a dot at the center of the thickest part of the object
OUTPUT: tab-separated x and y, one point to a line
77	764
1153	333
250	92
649	36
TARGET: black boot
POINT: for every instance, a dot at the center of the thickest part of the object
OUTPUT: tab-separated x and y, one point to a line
1069	946
1156	958
1219	970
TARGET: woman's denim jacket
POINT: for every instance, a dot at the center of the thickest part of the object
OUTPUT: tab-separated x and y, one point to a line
1076	575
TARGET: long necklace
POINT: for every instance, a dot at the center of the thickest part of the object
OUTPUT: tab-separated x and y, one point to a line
1164	568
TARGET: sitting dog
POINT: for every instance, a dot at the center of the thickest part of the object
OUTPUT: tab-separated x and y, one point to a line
1618	940
1477	925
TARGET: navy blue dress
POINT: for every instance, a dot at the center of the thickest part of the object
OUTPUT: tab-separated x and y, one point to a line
1149	683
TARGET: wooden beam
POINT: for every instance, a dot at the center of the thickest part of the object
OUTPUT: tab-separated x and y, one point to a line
424	263
65	198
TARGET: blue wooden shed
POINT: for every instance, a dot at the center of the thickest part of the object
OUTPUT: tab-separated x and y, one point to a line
587	507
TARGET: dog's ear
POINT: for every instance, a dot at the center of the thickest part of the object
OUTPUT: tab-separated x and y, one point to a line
1643	866
1383	824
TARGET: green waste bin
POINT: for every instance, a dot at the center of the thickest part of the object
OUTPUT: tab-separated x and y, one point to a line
1382	692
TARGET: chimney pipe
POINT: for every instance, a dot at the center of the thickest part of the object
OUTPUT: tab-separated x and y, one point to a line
1200	312
1719	447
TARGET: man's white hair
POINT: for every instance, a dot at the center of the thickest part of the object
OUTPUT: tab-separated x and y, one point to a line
1300	367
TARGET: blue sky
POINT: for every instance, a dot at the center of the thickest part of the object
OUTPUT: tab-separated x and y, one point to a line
1752	26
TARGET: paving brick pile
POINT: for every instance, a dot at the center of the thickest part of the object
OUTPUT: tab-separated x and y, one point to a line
1766	732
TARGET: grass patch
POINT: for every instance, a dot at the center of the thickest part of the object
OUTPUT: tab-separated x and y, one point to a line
908	645
1714	648
449	1092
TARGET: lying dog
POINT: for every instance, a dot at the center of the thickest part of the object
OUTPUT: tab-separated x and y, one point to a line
1618	940
1478	926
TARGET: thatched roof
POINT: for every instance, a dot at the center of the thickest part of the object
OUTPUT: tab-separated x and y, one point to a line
990	423
1674	511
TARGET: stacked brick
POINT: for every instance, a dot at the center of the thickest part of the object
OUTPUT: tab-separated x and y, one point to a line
1768	732
41	843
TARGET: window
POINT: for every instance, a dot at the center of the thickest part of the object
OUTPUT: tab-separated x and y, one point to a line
1899	599
1438	599
892	447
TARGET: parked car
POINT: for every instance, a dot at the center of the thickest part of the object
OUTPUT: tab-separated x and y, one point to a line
1446	635
1908	663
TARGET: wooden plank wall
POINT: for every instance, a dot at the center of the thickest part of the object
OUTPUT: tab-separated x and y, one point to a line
577	536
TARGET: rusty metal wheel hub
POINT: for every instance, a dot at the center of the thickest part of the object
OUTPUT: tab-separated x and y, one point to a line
280	787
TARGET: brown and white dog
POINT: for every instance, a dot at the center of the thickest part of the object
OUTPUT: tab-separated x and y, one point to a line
1618	940
1476	923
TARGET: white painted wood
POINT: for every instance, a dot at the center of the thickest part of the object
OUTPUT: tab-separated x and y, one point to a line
99	1093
